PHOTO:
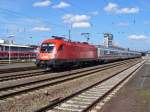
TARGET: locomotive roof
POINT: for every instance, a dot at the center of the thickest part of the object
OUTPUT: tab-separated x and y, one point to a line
68	42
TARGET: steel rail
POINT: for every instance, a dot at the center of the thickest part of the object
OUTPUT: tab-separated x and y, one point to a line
22	88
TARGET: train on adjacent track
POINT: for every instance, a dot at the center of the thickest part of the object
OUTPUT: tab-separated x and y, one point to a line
16	52
58	52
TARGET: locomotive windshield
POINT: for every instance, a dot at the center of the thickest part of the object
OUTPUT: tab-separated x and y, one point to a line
47	47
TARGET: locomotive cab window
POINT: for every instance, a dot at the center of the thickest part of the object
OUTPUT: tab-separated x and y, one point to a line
47	47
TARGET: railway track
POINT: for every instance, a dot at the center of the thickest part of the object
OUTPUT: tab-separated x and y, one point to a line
10	70
23	74
88	99
20	75
48	80
36	72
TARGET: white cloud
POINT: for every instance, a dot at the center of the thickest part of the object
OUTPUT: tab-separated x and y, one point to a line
77	21
111	7
123	24
94	13
61	5
41	29
137	37
115	8
70	18
129	10
44	3
81	25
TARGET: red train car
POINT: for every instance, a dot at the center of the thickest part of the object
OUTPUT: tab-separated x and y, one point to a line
16	52
59	52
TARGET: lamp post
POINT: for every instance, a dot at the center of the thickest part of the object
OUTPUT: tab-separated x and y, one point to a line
9	54
9	51
69	32
30	51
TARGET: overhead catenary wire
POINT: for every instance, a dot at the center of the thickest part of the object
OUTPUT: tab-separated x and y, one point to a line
28	17
25	26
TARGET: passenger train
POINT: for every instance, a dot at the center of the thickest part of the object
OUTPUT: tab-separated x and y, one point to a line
58	52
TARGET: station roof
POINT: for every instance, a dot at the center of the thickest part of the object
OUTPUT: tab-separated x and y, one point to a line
16	45
12	44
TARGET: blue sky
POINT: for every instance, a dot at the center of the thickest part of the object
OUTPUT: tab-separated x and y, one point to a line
127	20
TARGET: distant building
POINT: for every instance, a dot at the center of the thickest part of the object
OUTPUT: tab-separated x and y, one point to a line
148	53
108	42
2	41
4	46
108	39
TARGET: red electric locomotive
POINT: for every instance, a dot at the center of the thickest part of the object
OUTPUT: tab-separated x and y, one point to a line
58	52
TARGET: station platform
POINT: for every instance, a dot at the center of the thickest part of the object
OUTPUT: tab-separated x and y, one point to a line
16	65
134	96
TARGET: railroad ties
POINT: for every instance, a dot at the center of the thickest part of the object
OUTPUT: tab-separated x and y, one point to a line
87	99
27	85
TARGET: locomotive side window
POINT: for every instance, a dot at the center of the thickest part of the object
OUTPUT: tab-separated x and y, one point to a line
47	47
61	48
106	52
